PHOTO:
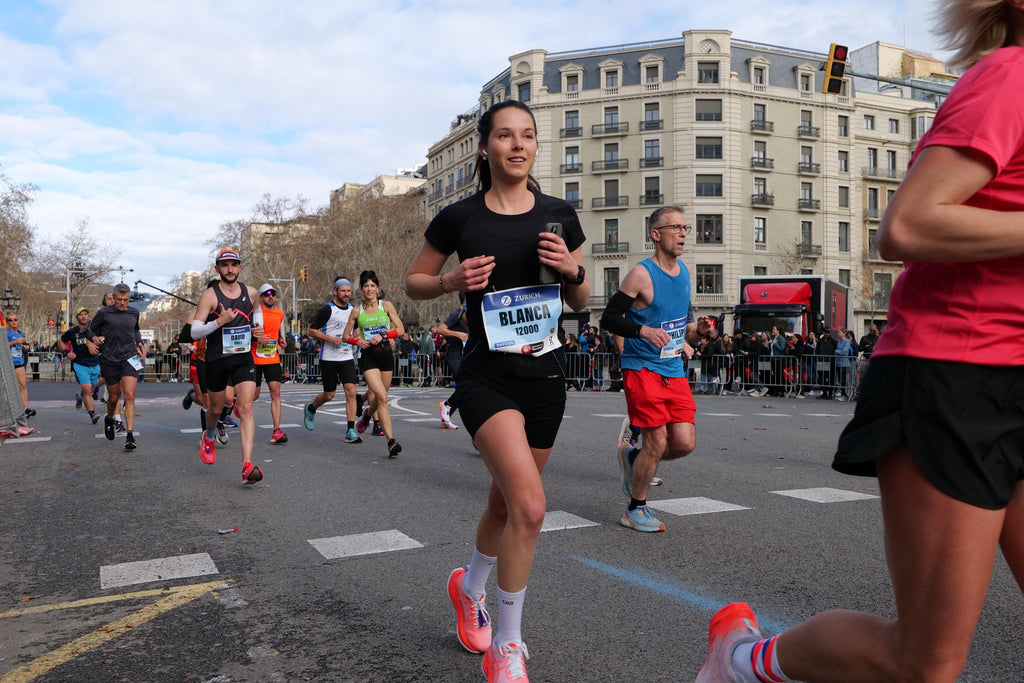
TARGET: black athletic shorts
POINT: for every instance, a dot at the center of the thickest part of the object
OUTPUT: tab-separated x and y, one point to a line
335	372
481	393
377	357
114	370
273	372
231	370
964	424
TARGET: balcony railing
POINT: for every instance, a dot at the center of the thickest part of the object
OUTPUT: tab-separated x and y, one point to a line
878	172
609	202
809	204
655	124
570	132
763	199
575	203
808	131
873	214
449	188
610	128
651	162
808	167
651	199
762	162
609	248
571	168
762	126
610	165
805	249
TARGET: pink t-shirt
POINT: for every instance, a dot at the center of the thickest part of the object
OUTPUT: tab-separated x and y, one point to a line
971	312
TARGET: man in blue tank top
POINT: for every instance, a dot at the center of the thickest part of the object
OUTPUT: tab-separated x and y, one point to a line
650	312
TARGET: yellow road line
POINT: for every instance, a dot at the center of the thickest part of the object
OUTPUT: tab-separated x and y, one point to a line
41	609
37	667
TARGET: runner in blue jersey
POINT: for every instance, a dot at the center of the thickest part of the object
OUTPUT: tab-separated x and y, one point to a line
650	312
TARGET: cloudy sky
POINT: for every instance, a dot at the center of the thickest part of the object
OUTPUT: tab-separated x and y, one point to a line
155	121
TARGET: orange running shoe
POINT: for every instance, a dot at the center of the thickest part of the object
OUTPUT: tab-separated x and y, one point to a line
474	624
731	626
507	663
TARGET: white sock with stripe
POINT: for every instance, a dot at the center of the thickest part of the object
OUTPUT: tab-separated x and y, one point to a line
758	662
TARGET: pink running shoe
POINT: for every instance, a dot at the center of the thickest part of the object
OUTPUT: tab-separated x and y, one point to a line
364	420
506	664
207	451
474	624
251	474
731	626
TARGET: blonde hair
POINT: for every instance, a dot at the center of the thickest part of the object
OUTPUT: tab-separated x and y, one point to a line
974	28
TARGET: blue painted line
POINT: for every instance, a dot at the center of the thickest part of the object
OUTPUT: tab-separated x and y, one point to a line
658	585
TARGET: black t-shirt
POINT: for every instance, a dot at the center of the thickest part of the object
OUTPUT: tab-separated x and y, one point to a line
120	330
77	337
468	228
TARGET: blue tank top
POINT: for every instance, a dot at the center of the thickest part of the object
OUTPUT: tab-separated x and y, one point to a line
671	304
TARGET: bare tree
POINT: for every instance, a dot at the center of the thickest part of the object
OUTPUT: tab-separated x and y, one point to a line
16	233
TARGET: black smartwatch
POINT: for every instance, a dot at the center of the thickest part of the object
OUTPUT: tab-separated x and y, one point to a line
581	275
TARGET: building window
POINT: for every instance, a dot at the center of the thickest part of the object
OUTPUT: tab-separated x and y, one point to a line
760	186
611	79
709	110
844	197
572	194
708	229
760	113
890	161
524	91
869	122
611	193
758	75
652	191
572	124
882	287
760	150
872	246
844	126
894	126
572	82
806	154
709	148
652	116
844	236
611	153
760	230
572	159
707	72
709	279
844	161
611	233
919	126
709	185
844	277
872	160
760	270
806	191
651	74
611	280
652	150
806	232
805	82
611	118
873	200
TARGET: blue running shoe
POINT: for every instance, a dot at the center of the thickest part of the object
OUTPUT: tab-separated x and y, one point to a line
308	415
641	519
230	422
352	437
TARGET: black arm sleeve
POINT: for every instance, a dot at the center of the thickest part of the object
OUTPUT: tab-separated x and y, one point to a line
614	318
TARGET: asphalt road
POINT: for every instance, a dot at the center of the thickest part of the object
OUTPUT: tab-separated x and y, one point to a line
755	514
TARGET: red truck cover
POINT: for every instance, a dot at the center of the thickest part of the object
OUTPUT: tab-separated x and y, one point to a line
777	293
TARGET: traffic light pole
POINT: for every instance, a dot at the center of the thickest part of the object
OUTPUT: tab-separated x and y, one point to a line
927	87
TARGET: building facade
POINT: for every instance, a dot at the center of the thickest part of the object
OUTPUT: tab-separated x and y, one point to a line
774	176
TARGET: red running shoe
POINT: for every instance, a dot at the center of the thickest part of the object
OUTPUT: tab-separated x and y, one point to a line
207	452
251	474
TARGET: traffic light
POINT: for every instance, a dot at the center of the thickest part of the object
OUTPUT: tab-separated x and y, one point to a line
835	68
303	274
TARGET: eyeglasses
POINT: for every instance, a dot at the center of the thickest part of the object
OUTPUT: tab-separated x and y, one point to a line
269	292
12	320
676	228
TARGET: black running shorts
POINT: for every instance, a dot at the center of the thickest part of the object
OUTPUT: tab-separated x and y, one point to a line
964	424
335	372
377	358
230	370
481	393
271	371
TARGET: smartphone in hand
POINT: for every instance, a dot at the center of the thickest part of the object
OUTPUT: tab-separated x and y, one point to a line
549	275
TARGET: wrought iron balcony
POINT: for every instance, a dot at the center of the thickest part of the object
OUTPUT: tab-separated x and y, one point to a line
805	249
878	172
808	131
606	247
652	199
610	165
655	124
651	162
609	202
620	128
809	204
570	132
808	167
762	126
762	162
571	168
763	199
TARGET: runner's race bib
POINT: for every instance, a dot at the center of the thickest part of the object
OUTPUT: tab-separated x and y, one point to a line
266	349
136	363
370	332
236	339
676	330
523	320
16	351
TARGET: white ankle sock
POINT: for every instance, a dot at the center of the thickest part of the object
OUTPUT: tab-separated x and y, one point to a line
474	582
758	662
510	616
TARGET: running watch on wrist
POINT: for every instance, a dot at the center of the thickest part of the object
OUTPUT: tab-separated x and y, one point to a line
581	275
